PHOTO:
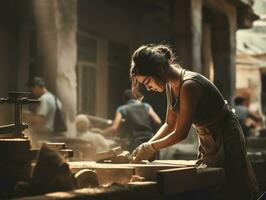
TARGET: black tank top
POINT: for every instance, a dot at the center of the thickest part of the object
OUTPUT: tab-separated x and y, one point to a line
209	104
137	120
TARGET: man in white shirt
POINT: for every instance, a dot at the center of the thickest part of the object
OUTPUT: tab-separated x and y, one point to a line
41	121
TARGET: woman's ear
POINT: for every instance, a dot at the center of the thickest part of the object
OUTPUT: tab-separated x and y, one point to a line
161	78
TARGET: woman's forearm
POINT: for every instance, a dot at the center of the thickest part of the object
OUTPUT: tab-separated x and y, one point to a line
162	132
168	140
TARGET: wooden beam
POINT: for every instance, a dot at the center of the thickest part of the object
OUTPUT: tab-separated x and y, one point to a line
105	193
186	179
172	181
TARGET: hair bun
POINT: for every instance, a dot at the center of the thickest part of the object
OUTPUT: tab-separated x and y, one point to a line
166	51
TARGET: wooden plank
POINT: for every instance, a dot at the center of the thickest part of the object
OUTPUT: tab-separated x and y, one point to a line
114	175
149	172
93	164
15	149
179	163
210	176
77	165
147	191
123	157
179	180
54	145
107	173
121	173
108	154
173	181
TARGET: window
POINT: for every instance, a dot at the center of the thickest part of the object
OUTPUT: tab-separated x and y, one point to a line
87	73
86	89
118	74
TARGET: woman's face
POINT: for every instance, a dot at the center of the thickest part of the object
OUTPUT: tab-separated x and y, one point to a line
150	83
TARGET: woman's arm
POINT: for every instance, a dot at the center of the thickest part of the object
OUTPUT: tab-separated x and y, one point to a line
168	127
189	96
154	117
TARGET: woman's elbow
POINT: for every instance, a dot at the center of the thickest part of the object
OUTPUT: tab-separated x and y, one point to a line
171	127
180	136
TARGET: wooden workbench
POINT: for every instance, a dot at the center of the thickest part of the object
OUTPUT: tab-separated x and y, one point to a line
163	178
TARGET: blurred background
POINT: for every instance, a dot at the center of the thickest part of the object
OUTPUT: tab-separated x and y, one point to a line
82	49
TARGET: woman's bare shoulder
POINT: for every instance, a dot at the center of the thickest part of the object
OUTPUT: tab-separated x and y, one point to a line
191	87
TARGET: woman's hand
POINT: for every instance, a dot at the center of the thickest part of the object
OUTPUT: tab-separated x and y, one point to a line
145	151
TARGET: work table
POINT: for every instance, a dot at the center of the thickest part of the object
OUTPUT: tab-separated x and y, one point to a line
163	178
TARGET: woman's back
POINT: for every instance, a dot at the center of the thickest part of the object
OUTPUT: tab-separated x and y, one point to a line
211	101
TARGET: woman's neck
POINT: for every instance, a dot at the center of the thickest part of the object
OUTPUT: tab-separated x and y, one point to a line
174	79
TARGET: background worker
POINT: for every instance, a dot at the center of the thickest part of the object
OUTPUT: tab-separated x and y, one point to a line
99	142
140	122
193	99
244	114
41	120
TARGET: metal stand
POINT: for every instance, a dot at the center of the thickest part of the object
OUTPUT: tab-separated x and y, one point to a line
18	99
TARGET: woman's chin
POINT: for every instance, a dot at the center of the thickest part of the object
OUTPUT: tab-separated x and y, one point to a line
160	90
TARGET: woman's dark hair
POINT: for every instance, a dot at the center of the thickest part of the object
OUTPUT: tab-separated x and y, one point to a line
151	60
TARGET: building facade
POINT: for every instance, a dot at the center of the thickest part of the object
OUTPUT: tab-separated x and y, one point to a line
82	48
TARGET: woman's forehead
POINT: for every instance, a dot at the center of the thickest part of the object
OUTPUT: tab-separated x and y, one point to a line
141	78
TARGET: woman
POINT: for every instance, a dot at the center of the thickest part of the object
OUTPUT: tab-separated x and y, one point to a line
193	99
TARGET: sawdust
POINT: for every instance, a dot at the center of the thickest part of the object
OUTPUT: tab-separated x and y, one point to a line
136	178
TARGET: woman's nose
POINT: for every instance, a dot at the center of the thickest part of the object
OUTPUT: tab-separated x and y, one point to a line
149	87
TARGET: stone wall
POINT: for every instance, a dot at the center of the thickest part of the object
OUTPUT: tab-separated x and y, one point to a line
56	28
14	15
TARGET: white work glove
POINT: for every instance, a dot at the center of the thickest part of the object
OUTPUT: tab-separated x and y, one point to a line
145	151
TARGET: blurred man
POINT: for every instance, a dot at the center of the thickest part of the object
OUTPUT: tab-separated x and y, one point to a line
99	143
139	121
41	121
245	114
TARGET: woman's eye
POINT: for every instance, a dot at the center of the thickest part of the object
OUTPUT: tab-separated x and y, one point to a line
148	81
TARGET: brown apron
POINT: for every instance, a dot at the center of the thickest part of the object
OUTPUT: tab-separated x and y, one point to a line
222	144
